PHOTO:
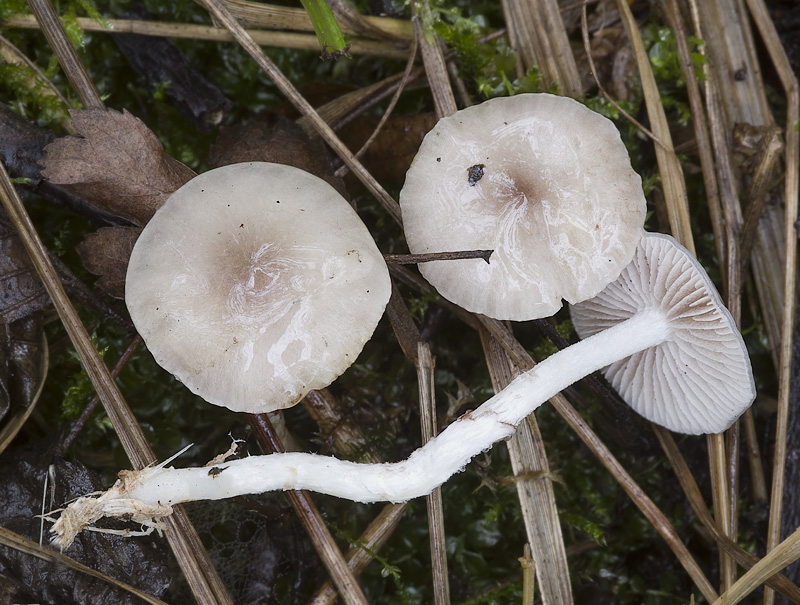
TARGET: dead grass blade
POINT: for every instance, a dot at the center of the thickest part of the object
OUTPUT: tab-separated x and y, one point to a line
534	486
433	59
358	46
22	544
269	16
367	545
538	36
427	414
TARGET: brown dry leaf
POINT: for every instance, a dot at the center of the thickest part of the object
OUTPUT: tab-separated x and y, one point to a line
280	141
21	291
106	253
391	153
117	164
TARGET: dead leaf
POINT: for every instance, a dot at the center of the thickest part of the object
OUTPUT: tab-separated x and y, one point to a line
106	253
117	164
21	291
23	365
390	154
280	141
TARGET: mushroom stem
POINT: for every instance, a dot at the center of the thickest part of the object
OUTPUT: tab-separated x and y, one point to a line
426	468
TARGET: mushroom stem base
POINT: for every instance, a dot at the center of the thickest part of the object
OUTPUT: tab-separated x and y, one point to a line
427	468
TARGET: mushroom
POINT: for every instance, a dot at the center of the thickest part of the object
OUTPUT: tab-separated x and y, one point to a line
544	182
255	283
662	313
697	379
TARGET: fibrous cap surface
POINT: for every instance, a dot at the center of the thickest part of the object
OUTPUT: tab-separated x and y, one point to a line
255	283
544	182
699	380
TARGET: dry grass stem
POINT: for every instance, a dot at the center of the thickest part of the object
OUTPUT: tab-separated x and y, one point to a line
390	108
17	418
427	415
369	542
695	498
538	36
528	576
358	46
268	16
779	59
433	58
534	486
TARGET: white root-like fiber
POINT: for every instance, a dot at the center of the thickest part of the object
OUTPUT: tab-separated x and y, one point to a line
148	494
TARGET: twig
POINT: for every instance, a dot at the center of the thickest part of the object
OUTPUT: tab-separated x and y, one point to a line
414	259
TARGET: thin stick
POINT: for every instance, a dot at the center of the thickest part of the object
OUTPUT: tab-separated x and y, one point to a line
221	14
184	541
427	417
414	259
390	108
312	520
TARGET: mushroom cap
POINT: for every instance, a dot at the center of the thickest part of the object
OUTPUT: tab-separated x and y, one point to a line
699	380
544	182
255	283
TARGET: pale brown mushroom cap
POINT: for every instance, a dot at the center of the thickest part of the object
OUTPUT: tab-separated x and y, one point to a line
544	182
700	379
255	283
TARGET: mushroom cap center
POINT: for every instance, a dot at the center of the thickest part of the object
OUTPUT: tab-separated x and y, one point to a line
543	181
256	283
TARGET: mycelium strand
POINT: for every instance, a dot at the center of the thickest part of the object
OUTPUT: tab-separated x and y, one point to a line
146	493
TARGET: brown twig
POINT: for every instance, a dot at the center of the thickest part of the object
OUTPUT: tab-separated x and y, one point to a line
414	259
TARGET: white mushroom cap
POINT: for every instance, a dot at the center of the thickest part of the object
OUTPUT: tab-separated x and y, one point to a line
544	182
699	380
255	283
